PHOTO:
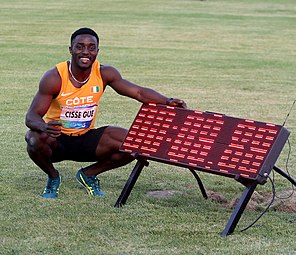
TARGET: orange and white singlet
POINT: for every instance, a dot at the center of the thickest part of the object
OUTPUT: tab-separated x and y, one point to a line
76	108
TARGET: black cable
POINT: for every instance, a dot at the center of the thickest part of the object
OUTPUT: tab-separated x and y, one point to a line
287	170
289	113
265	210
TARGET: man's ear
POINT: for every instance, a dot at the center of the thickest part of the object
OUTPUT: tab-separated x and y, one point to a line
70	50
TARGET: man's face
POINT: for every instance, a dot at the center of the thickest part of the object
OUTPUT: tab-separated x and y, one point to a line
84	50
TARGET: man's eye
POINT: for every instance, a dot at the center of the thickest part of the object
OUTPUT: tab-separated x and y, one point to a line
92	48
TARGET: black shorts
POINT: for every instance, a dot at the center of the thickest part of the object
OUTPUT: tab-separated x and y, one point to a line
78	148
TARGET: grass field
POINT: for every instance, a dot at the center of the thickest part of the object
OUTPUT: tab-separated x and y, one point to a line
233	57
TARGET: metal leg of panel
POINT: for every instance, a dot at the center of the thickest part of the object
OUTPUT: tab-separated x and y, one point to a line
239	209
130	183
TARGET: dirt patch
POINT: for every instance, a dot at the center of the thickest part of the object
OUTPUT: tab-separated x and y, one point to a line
216	197
162	193
284	201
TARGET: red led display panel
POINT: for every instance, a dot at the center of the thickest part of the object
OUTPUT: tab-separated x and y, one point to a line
206	141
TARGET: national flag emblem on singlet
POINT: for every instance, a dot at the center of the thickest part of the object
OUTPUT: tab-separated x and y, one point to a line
95	89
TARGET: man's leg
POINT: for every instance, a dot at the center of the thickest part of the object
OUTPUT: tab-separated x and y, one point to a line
108	157
107	151
39	147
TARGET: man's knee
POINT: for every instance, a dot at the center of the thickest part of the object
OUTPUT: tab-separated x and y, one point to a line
30	139
116	133
35	140
112	138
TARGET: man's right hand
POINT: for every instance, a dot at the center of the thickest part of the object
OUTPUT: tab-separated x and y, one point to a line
53	128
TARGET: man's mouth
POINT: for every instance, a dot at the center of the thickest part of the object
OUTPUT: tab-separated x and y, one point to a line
84	60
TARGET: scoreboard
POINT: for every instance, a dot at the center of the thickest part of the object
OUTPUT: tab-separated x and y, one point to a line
206	141
243	149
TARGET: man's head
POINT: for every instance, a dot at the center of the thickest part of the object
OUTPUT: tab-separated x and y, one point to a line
84	47
84	31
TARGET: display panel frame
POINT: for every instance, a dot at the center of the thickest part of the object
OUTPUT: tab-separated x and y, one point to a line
210	142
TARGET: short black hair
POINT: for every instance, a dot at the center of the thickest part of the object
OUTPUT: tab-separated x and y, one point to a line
83	31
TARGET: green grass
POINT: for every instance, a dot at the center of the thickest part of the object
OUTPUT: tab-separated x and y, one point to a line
233	57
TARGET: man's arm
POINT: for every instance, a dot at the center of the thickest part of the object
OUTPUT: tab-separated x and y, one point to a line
49	87
113	78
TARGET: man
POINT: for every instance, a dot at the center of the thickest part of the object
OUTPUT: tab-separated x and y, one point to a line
62	115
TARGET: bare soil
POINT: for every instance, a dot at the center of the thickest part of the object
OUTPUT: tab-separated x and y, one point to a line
284	201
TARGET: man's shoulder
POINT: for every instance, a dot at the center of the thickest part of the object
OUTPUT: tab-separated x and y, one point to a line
106	68
108	73
52	73
51	80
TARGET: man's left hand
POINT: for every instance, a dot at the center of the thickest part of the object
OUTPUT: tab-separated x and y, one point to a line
176	103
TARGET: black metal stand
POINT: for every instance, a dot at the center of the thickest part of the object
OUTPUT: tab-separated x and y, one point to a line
244	199
200	184
239	209
131	182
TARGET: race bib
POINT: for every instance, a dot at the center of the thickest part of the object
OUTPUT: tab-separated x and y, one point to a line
77	117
